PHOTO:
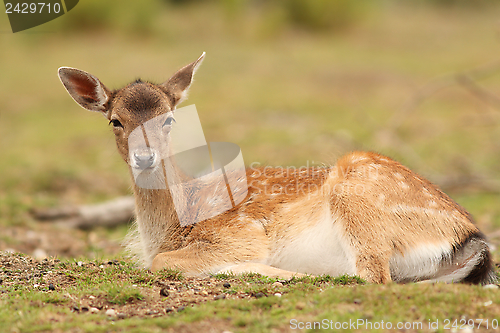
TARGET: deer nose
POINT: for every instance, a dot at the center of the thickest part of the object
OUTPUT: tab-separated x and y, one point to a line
144	161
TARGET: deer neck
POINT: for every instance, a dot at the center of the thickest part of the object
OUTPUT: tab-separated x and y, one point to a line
157	219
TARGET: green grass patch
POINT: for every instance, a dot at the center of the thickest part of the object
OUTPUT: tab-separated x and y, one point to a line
120	294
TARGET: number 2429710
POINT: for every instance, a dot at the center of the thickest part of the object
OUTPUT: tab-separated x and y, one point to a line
32	8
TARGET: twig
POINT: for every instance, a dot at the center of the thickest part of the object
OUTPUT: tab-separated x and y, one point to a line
466	79
478	91
108	214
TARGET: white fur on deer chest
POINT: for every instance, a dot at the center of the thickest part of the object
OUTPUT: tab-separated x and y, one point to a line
321	248
152	229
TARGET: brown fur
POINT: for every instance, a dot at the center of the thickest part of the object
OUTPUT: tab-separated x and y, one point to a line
384	216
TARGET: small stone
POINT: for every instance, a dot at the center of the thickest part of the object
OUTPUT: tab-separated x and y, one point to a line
164	292
80	263
180	308
92	297
462	330
93	310
490	286
259	294
277	284
221	296
40	254
487	303
110	313
51	287
300	305
277	294
204	293
226	285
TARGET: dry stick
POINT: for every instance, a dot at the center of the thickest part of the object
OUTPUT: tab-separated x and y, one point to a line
108	214
466	80
416	100
478	91
494	234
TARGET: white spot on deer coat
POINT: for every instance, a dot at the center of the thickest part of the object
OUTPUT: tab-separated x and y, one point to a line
358	159
432	204
404	186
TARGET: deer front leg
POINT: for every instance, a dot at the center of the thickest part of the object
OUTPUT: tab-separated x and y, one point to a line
183	260
196	261
201	258
192	260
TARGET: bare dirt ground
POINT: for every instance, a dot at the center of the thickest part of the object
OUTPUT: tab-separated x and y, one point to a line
44	239
165	295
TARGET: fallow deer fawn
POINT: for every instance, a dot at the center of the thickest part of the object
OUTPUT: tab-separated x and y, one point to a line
367	215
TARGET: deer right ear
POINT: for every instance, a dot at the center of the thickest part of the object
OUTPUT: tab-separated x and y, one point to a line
178	85
85	89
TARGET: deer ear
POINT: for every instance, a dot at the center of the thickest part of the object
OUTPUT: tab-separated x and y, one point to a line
178	85
85	89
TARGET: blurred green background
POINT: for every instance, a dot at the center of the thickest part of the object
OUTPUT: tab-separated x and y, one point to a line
292	82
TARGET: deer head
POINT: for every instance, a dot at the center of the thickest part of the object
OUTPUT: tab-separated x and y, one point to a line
138	108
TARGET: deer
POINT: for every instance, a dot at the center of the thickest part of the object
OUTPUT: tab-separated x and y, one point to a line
366	215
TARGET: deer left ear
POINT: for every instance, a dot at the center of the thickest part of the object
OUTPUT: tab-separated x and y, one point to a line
85	89
178	85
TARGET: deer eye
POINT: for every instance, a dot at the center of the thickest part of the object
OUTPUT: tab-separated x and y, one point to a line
169	121
116	123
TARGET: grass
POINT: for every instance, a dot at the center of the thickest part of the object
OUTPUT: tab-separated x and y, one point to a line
287	97
120	294
29	306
